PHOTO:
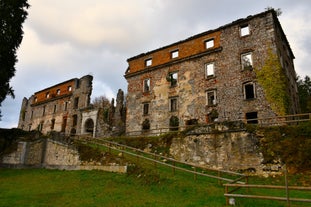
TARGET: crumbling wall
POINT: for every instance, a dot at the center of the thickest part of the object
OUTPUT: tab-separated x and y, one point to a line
60	154
234	150
228	151
52	154
57	108
236	93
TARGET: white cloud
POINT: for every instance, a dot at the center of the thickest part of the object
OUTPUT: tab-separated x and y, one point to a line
102	89
92	23
33	51
297	28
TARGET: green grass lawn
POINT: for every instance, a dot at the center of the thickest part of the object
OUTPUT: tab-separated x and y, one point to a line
40	187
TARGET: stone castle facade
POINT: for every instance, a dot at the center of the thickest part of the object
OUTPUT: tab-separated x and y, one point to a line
66	108
204	78
59	108
208	77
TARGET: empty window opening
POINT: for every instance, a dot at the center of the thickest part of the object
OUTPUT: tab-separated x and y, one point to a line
77	83
47	95
69	88
65	106
76	103
209	43
64	124
43	110
211	98
247	62
54	109
148	62
146	109
172	78
174	123
40	126
252	117
74	120
175	54
146	124
89	126
244	30
73	131
173	104
209	70
58	91
146	85
52	124
212	116
249	91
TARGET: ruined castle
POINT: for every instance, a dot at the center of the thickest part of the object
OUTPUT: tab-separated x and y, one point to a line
66	108
212	76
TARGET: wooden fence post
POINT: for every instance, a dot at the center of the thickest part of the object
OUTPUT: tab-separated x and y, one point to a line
286	187
227	198
246	182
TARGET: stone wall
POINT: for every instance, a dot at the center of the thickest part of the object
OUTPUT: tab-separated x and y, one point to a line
52	154
60	154
229	150
225	150
34	152
17	156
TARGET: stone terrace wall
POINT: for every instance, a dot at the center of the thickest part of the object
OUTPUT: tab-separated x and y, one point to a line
51	154
235	151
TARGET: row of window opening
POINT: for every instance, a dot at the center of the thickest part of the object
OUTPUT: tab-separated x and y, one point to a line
246	59
65	107
172	78
211	98
58	92
210	43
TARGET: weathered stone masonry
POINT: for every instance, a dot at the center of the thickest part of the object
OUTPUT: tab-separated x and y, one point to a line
58	108
53	154
209	76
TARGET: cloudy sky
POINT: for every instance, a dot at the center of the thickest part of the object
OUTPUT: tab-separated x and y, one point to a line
72	38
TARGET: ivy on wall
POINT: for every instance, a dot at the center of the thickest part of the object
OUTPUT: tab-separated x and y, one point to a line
273	80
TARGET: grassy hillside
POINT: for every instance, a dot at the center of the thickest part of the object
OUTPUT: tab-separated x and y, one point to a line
157	187
148	185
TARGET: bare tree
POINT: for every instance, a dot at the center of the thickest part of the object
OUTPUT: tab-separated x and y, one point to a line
101	102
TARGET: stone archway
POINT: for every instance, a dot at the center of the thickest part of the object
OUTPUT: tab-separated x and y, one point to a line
89	122
89	126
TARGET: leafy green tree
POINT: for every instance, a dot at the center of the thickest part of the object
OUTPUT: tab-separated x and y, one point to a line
12	15
304	92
